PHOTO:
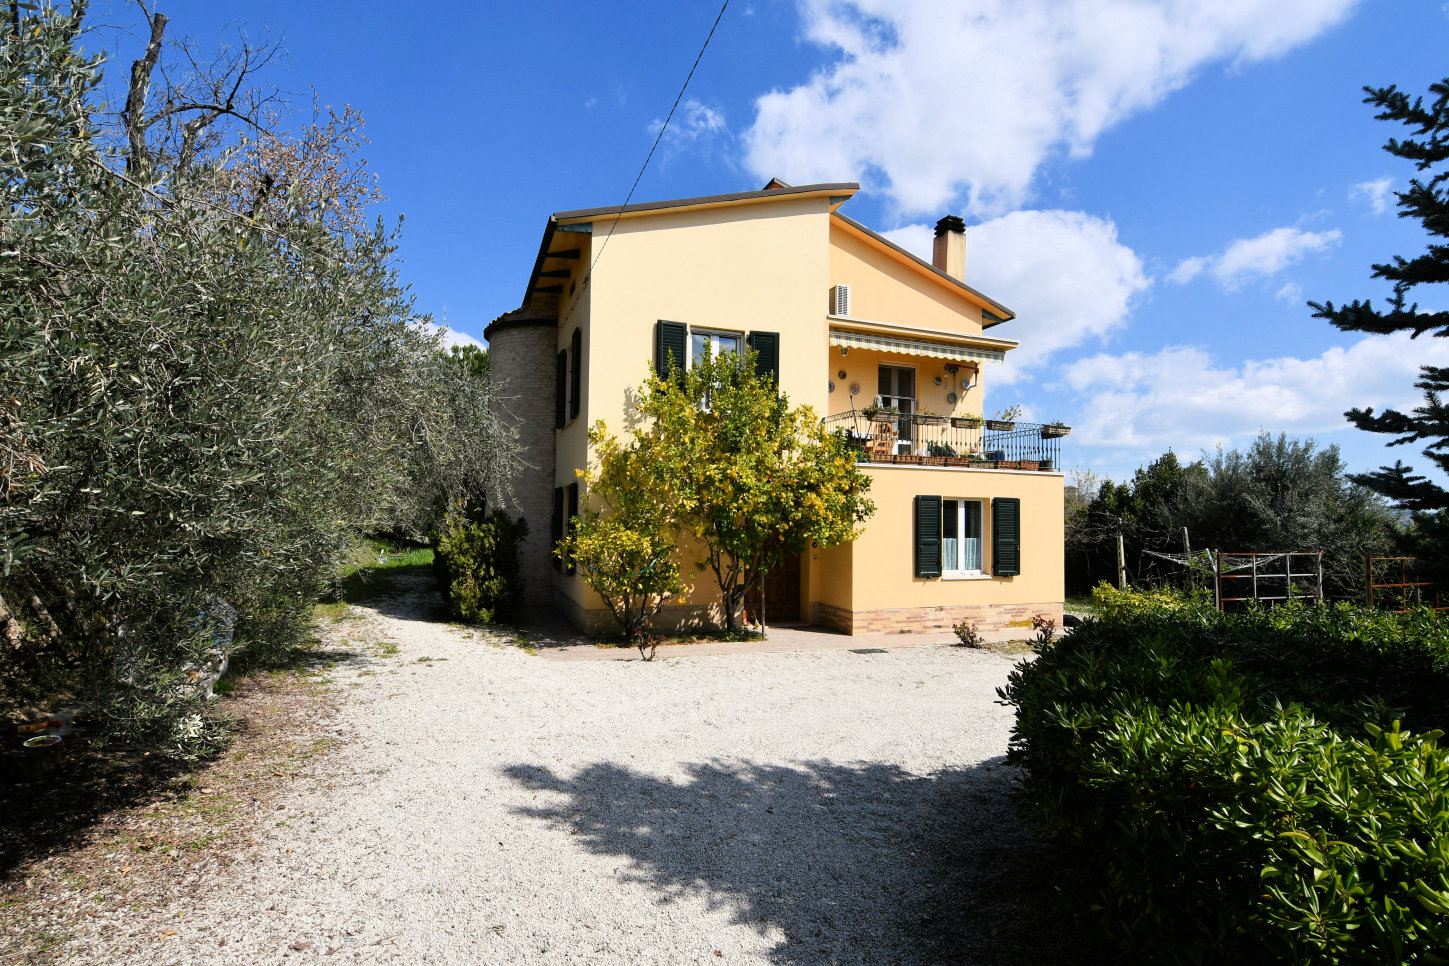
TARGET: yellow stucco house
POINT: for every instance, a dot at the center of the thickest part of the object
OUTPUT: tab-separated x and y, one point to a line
892	350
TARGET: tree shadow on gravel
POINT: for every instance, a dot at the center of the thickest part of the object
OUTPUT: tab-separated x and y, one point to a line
854	864
52	801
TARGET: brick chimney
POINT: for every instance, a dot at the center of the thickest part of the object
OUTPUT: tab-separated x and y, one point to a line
949	254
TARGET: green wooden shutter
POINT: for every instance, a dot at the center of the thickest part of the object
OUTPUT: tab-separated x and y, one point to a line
561	390
767	354
576	375
573	512
1006	536
669	339
928	536
556	525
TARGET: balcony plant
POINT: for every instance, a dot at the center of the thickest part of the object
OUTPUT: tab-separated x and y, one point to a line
966	422
1005	419
1055	430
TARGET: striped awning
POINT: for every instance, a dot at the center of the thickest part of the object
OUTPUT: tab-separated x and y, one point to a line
914	347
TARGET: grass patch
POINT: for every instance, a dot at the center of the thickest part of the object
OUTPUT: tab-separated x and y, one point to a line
377	568
335	611
1081	605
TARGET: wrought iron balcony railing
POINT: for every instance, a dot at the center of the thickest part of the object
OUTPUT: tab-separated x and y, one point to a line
924	440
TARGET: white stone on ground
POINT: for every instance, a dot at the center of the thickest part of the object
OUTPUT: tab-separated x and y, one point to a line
497	808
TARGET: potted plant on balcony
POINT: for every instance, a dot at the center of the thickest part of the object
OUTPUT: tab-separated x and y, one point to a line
1005	419
1055	430
874	412
927	418
966	422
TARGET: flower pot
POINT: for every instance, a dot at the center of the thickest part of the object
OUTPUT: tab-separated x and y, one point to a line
965	422
1055	431
1000	424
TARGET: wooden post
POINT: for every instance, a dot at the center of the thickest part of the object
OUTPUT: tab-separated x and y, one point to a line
1320	576
1187	552
1121	564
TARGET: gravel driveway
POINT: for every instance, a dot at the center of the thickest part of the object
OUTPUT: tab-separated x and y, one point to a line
492	807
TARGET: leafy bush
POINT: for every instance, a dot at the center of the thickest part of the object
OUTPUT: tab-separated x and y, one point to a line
477	565
1110	602
967	634
1224	789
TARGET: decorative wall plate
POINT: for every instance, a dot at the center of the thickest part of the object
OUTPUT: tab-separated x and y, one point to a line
951	398
832	385
855	389
840	374
938	380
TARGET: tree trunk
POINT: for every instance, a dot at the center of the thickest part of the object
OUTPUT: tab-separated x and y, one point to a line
135	114
10	624
52	629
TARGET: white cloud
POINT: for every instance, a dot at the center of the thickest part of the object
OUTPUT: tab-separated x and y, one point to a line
452	337
1181	396
1064	273
1377	194
1265	255
1187	270
694	125
1291	292
929	102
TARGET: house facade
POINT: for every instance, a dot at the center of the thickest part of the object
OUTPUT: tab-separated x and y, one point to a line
892	351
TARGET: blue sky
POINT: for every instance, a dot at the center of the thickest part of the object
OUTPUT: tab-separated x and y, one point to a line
1155	187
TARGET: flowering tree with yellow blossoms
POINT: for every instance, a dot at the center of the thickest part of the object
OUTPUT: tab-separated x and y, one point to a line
622	541
752	480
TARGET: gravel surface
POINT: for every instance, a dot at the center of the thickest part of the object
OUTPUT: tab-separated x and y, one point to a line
493	807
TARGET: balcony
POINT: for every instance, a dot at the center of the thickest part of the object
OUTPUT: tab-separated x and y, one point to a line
921	440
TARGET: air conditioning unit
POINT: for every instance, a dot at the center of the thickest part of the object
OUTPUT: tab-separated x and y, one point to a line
840	300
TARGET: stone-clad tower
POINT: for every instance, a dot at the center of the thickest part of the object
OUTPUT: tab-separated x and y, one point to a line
521	346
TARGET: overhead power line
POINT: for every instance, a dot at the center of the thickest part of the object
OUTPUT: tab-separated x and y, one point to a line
660	136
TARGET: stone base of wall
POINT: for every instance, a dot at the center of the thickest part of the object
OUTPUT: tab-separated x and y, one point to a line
991	620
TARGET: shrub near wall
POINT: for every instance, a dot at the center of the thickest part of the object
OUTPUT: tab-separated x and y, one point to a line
1235	789
477	565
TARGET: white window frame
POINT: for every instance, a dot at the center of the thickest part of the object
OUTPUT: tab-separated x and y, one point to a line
954	570
714	334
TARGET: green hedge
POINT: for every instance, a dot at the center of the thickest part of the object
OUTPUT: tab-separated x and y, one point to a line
1237	788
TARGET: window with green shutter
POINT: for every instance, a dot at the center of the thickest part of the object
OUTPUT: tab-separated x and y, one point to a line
573	513
928	536
669	342
576	373
1006	536
556	525
561	390
767	354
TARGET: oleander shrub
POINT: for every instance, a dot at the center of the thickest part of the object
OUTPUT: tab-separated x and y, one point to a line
1259	787
476	561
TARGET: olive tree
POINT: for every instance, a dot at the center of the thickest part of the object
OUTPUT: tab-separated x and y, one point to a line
212	383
